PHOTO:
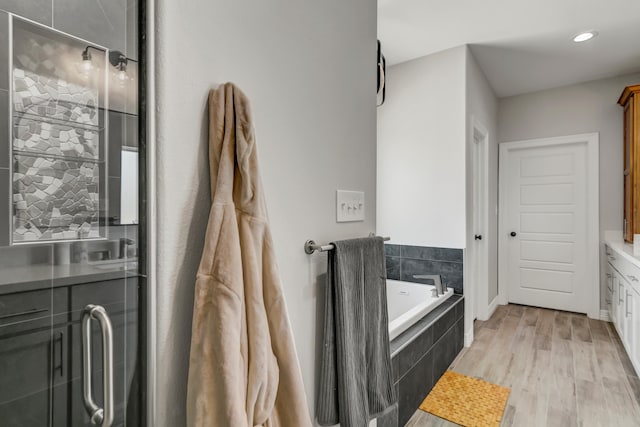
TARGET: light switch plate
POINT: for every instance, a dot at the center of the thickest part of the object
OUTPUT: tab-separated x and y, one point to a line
349	206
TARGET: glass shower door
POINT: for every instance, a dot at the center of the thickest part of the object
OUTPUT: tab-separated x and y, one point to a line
72	269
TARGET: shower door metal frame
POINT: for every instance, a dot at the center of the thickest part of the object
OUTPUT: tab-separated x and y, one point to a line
147	174
147	189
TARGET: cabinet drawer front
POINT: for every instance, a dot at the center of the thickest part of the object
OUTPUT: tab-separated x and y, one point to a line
24	306
629	271
32	309
615	259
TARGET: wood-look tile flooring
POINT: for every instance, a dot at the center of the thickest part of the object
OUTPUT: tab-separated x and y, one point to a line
564	369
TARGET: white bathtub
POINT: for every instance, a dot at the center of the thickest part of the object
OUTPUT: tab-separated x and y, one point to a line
409	302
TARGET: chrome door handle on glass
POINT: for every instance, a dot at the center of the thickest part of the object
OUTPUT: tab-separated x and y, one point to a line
99	416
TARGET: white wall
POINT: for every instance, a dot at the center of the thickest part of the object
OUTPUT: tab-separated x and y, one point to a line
421	152
482	105
581	108
309	70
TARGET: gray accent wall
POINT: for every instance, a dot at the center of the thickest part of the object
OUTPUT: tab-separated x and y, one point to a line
315	133
404	262
482	107
581	108
421	148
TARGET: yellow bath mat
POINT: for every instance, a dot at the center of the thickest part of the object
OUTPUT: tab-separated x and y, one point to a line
467	401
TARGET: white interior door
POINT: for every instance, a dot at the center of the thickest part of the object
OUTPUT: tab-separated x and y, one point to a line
547	222
478	248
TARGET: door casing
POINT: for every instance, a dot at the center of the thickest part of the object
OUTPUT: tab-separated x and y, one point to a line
479	223
593	217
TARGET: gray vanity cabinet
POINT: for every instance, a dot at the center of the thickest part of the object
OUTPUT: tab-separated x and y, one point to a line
122	311
33	358
41	364
32	371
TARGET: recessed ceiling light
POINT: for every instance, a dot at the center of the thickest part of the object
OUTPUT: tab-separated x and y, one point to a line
583	37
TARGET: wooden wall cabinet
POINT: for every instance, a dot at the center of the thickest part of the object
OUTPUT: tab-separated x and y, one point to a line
630	101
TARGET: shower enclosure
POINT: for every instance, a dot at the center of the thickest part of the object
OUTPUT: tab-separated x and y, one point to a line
72	223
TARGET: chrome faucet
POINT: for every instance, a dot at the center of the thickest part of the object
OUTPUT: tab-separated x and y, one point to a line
124	243
436	280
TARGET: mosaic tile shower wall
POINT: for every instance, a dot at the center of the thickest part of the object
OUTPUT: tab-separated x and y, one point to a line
55	146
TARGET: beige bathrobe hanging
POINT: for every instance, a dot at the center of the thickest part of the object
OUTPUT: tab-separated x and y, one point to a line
243	367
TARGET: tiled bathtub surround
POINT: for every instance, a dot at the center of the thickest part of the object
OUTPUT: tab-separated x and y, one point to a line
403	262
421	355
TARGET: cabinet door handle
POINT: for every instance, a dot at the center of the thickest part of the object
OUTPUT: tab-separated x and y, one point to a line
626	305
61	339
632	278
24	313
620	293
608	275
99	416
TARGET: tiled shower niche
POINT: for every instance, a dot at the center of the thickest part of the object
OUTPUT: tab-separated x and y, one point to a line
58	139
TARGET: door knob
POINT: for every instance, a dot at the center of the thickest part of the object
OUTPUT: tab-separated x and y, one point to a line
478	237
513	234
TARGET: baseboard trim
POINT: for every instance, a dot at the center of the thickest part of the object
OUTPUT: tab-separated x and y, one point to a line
468	338
492	307
604	315
502	299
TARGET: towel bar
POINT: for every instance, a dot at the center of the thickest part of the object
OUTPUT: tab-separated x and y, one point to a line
310	246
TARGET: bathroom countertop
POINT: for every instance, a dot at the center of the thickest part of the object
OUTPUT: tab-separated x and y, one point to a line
624	249
42	276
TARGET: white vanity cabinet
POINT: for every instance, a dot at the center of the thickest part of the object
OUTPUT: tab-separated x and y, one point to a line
623	297
627	314
633	330
610	294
